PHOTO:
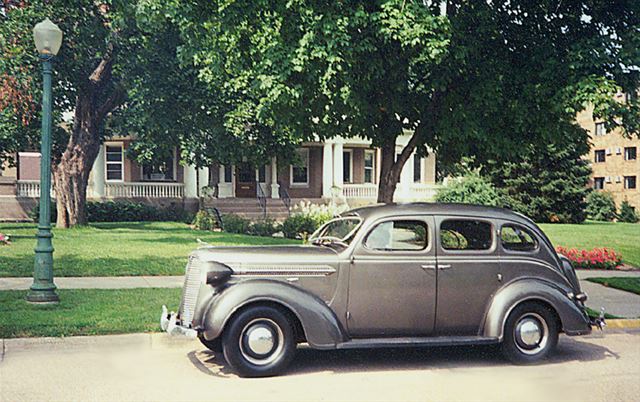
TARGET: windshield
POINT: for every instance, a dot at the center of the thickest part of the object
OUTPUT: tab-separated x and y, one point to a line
340	230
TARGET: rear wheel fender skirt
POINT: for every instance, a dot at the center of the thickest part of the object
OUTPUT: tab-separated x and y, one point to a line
321	326
573	320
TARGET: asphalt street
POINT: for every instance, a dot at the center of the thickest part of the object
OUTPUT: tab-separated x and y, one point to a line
154	367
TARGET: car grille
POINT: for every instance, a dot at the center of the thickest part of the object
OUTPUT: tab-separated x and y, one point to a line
192	281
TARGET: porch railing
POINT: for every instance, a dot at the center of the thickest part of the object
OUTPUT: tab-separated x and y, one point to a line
144	190
29	188
360	191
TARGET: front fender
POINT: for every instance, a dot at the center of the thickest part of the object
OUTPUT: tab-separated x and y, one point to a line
321	326
573	319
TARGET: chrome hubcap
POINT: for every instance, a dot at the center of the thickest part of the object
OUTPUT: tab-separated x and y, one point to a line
531	333
261	341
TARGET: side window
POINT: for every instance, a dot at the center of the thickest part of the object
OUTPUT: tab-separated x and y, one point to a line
398	236
463	234
517	238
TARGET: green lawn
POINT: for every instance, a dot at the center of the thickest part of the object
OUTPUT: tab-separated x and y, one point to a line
622	237
630	284
85	312
113	249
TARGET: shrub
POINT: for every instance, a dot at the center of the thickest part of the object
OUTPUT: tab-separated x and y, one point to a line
601	206
627	213
123	211
598	258
266	227
235	224
299	226
470	189
205	220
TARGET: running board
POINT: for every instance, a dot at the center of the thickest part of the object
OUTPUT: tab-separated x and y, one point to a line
416	341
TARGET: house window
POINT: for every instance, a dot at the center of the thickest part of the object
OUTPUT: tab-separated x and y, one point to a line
262	174
369	165
347	167
600	129
598	183
600	155
228	173
114	161
300	172
630	153
417	169
160	171
630	182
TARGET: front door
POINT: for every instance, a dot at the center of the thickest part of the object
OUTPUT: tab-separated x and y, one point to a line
245	181
468	273
392	280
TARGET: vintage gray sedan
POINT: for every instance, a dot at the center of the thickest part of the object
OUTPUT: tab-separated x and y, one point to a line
385	276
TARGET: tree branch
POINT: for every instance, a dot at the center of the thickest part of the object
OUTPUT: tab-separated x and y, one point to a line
114	100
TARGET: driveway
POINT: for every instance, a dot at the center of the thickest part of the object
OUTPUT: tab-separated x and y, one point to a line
617	302
143	367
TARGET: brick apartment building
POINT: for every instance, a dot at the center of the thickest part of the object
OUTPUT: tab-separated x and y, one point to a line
614	160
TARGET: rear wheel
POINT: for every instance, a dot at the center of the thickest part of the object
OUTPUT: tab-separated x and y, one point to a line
259	342
530	333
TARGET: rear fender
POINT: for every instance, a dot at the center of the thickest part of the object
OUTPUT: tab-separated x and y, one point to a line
319	323
573	319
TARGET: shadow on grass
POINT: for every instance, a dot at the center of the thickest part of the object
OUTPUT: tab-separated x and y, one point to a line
74	265
308	360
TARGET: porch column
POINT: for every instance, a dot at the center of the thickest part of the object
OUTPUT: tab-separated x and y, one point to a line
97	176
203	178
378	164
337	169
190	182
327	169
275	187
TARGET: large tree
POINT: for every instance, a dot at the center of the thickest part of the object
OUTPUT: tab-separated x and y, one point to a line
481	79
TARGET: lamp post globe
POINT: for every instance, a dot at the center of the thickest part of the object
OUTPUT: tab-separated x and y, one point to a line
48	39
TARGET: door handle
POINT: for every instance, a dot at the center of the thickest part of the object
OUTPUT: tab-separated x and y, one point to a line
428	267
444	266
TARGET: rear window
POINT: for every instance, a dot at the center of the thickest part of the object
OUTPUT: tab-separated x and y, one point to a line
517	238
465	234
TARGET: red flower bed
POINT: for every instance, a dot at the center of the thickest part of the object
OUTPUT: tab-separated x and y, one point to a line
598	258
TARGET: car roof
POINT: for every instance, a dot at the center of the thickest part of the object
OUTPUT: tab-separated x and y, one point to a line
430	208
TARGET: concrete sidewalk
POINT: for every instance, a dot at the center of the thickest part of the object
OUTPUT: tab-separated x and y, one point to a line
616	302
100	282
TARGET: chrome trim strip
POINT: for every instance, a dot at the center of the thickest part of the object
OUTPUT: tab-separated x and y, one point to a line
282	270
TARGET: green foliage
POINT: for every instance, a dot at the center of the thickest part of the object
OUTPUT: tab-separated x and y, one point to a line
470	189
205	220
299	226
124	211
265	227
547	183
483	80
233	223
601	206
627	213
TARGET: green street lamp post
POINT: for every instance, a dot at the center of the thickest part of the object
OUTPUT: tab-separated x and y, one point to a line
48	38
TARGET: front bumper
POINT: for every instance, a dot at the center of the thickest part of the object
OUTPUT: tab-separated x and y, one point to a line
169	324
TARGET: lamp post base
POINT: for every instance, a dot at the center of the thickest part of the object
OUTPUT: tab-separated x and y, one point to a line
43	294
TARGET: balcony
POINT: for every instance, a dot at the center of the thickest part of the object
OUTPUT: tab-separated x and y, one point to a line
412	192
31	188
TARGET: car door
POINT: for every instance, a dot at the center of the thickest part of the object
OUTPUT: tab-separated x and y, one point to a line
392	279
468	273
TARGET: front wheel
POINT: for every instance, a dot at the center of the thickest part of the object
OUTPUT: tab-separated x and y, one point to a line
259	342
530	333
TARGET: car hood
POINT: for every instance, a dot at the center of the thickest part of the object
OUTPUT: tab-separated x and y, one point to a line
268	255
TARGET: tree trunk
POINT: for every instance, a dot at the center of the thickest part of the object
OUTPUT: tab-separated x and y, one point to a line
71	175
389	176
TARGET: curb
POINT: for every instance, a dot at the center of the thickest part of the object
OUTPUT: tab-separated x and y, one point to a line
623	323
